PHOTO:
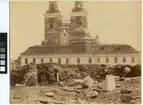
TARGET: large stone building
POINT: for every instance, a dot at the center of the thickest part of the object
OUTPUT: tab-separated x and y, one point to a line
70	42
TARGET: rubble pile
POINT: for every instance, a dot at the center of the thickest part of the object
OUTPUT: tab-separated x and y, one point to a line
78	94
78	84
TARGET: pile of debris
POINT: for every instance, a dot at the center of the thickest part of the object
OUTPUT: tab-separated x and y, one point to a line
80	89
87	91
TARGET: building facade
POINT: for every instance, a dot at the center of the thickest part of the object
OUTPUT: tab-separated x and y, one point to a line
70	42
15	64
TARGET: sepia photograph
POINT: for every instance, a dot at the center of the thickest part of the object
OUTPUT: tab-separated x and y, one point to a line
75	52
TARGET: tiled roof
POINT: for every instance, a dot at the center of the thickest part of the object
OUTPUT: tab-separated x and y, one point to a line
47	50
114	49
76	49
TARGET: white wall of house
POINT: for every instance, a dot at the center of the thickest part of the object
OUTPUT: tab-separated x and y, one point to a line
84	58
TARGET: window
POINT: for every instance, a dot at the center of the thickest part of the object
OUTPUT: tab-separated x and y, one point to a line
34	60
52	6
133	59
64	31
107	60
124	59
51	25
50	60
67	60
26	61
115	60
115	49
42	60
90	60
54	50
59	60
119	48
78	60
79	5
93	50
98	60
102	48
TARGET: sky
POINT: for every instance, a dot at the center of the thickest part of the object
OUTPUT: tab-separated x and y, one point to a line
114	22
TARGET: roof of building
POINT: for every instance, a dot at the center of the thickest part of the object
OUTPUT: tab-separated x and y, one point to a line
114	49
17	60
68	49
113	45
51	49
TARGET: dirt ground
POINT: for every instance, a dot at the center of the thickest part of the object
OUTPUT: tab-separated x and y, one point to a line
33	95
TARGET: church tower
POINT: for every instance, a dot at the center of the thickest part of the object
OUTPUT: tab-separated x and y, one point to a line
80	35
52	21
78	12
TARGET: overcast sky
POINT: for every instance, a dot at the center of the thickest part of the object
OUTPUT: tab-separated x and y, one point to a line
114	22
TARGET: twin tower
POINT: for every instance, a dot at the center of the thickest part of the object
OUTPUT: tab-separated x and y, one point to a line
63	32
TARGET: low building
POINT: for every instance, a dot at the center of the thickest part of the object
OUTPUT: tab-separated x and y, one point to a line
100	54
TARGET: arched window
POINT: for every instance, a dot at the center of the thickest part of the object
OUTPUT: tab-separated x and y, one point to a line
78	5
52	6
51	25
